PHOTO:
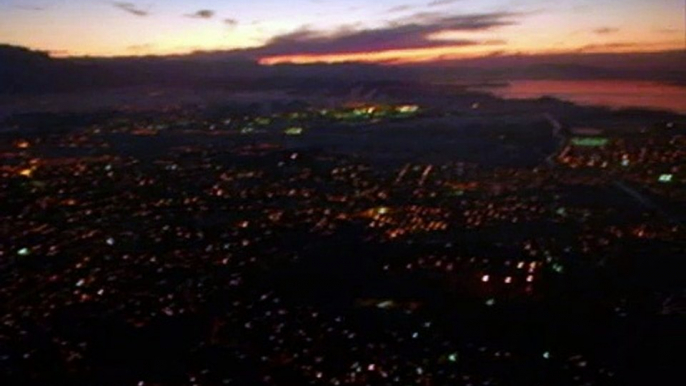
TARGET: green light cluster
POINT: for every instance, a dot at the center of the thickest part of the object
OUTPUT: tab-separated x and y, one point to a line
294	131
590	142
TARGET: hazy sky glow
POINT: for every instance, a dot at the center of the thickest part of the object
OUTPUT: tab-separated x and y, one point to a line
340	30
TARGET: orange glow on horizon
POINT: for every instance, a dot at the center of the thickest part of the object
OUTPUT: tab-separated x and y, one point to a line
437	54
400	56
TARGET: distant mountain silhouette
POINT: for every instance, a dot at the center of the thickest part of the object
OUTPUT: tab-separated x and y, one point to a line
26	71
668	66
22	70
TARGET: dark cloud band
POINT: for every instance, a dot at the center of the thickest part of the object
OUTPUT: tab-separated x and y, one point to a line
202	14
409	33
131	8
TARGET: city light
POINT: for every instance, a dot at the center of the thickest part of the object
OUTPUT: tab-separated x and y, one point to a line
666	178
294	131
408	109
28	172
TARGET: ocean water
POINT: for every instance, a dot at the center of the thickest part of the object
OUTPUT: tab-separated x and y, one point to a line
613	94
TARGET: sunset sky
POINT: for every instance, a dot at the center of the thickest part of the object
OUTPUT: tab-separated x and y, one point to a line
342	30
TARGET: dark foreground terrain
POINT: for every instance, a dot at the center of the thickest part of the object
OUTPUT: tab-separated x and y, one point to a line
458	241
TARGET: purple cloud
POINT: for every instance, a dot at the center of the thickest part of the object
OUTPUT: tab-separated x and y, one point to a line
411	32
131	8
437	3
202	14
605	30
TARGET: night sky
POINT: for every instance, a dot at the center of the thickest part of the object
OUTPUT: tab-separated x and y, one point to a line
338	30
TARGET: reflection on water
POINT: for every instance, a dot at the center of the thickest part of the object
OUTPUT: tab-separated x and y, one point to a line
616	94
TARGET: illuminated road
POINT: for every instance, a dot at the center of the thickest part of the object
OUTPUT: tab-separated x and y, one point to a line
646	202
557	133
